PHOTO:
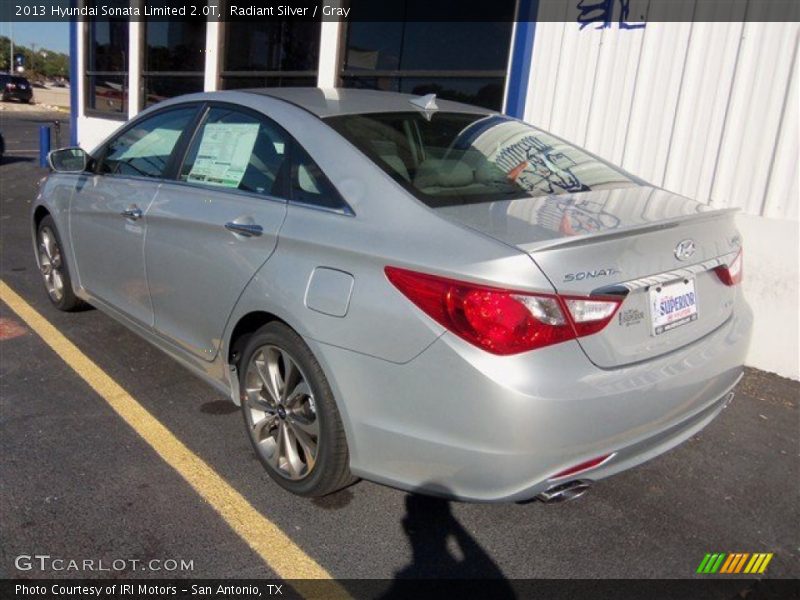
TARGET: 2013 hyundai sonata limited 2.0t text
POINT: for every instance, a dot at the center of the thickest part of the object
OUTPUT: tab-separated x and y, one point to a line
405	289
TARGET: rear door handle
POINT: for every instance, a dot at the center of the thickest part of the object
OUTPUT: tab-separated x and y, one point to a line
245	229
133	212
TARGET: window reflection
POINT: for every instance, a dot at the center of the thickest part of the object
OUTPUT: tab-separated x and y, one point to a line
480	91
158	88
107	93
412	46
174	59
175	45
107	66
238	83
272	46
464	61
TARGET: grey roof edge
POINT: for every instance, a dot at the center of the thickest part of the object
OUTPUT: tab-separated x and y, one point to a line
331	102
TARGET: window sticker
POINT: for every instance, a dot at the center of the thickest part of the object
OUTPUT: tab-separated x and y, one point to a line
224	153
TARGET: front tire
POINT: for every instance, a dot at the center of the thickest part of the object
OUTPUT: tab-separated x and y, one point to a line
290	414
53	267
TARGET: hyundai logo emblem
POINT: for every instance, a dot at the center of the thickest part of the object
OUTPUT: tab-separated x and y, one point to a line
685	250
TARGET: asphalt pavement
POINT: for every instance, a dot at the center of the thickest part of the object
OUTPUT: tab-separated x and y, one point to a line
76	481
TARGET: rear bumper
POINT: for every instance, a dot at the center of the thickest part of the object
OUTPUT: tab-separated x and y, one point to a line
457	421
22	95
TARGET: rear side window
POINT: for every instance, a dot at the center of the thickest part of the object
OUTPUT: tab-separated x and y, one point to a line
309	184
145	149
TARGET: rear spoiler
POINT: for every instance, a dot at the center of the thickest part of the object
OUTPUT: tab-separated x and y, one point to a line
591	238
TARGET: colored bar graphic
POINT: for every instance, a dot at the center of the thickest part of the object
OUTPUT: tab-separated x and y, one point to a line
727	564
754	563
734	563
703	563
717	565
741	562
763	566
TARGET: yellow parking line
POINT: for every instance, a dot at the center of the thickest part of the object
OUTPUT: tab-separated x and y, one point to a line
280	553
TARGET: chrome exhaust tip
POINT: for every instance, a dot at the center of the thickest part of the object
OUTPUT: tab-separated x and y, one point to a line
728	399
563	492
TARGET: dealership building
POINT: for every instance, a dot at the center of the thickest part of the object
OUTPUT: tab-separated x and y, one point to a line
708	110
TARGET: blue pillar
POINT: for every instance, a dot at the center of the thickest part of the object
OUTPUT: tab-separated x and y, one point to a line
74	80
44	144
521	57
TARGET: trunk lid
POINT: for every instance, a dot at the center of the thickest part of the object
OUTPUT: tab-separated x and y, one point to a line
633	241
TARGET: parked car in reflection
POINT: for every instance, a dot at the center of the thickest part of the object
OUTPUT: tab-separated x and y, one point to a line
414	291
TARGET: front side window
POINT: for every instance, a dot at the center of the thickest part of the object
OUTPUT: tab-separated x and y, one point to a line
454	158
145	149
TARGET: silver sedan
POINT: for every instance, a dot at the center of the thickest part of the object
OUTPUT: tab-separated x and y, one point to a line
413	291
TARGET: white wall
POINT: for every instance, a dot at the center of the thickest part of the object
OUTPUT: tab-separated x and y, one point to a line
770	259
93	130
707	110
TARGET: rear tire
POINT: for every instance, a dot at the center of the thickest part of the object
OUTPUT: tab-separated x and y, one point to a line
290	414
53	267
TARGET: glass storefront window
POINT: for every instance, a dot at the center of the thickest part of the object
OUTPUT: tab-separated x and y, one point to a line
160	87
174	59
239	83
107	66
464	61
270	53
480	91
414	46
107	93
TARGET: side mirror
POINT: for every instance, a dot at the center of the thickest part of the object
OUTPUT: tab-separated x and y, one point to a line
68	160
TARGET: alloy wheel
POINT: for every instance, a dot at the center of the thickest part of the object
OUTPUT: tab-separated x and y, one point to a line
281	413
51	264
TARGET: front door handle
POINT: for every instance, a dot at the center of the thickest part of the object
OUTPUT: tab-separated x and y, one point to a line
132	212
245	229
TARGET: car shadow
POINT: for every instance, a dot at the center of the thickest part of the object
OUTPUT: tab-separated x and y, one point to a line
442	549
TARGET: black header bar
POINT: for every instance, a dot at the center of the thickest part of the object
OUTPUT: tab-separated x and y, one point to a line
586	13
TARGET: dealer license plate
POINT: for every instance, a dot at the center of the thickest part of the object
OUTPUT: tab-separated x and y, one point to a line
672	305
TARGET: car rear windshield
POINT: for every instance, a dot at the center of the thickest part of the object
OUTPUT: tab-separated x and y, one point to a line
447	159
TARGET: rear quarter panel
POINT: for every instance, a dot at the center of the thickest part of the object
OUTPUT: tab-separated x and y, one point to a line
389	227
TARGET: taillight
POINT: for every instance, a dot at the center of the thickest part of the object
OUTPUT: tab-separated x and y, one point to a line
503	321
731	274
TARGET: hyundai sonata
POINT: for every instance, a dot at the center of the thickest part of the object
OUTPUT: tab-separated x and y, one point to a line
409	290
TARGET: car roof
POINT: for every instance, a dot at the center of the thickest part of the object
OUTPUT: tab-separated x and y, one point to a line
330	102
